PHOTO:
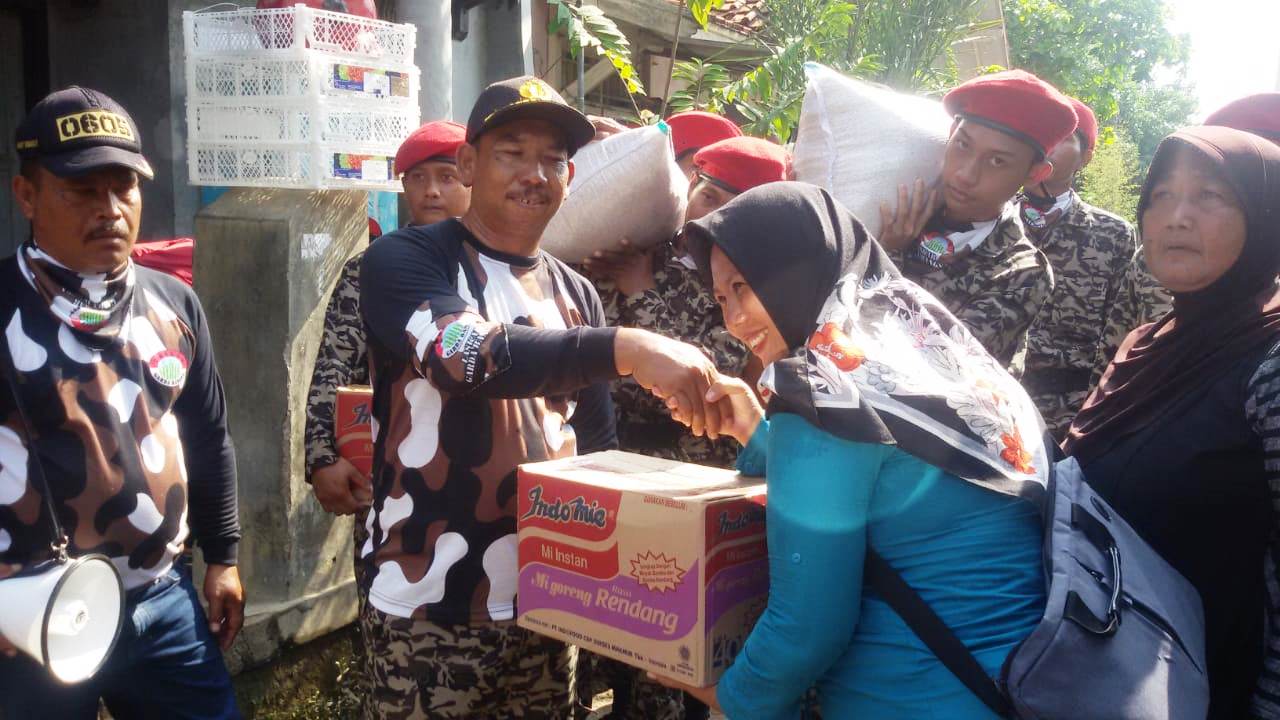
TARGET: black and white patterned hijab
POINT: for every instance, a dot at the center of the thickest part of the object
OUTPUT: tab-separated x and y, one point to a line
875	358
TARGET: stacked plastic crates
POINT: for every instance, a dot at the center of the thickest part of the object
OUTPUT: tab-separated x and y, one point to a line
297	98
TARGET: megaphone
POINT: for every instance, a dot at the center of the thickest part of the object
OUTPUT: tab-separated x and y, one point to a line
67	615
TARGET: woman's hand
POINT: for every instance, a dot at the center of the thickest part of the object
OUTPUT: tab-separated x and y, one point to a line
706	695
740	411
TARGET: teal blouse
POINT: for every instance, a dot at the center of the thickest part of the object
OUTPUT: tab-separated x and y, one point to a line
973	554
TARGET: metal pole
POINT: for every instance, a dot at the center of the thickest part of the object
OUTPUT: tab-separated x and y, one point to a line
582	76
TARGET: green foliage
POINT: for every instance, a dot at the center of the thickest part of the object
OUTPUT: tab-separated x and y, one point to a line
896	42
1108	181
1094	50
1149	112
339	700
908	36
701	10
587	27
702	79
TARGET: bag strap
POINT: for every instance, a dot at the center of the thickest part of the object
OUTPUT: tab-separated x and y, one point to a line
935	634
10	372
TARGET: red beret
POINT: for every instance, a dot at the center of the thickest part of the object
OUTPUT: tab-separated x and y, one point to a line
742	163
1258	114
438	139
696	129
1086	123
1018	103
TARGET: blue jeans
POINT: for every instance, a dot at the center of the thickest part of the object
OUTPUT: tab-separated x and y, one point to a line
166	665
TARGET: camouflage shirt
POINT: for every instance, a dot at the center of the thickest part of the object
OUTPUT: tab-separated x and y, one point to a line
131	435
679	307
996	289
1140	299
1090	251
340	360
479	361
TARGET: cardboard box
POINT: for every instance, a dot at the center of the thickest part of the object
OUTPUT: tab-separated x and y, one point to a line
352	428
659	564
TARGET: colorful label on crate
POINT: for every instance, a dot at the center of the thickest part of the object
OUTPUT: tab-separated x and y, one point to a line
370	81
375	168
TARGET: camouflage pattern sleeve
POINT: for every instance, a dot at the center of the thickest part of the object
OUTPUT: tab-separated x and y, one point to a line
1140	299
1000	317
340	360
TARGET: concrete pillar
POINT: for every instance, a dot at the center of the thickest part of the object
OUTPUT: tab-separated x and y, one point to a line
264	266
433	56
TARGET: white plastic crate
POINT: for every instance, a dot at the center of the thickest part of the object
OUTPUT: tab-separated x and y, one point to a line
317	77
286	165
295	31
297	98
323	124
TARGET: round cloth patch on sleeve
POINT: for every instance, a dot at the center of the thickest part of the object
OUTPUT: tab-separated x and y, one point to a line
168	367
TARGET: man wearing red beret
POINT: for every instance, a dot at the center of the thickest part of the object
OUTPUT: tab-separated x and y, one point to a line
433	193
964	241
691	131
1091	252
1258	114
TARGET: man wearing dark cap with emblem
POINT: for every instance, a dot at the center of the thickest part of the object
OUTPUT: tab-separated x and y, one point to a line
485	353
965	242
110	401
1091	252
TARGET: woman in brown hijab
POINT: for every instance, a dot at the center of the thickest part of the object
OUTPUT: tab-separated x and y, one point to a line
1182	435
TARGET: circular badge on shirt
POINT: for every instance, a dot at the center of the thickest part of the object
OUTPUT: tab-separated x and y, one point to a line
168	367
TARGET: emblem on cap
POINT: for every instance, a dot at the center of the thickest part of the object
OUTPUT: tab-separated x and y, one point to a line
93	123
534	89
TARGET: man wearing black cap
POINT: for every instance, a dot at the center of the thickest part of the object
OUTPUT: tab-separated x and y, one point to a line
119	406
486	353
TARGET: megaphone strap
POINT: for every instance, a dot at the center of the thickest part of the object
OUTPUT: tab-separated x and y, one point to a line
59	545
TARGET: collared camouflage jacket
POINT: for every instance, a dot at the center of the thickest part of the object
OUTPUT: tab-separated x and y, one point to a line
996	290
340	360
1090	251
680	307
1140	300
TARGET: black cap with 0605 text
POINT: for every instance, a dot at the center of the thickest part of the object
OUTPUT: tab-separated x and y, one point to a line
78	130
528	97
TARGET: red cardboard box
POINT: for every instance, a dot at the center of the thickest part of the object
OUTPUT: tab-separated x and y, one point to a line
352	410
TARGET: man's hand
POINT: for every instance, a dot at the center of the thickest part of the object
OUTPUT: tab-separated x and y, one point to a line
901	227
341	488
706	695
6	648
225	595
678	373
740	411
605	127
630	268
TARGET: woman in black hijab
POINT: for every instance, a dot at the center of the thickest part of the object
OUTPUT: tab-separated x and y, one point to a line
1182	436
890	428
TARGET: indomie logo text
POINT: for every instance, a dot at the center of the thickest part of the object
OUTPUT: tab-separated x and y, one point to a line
359	415
576	510
93	123
740	521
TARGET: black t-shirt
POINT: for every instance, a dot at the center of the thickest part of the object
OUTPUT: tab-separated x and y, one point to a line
479	361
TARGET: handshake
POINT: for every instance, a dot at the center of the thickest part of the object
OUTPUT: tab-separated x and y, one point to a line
696	393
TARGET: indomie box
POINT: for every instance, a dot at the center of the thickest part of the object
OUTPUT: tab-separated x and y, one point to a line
352	429
656	563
